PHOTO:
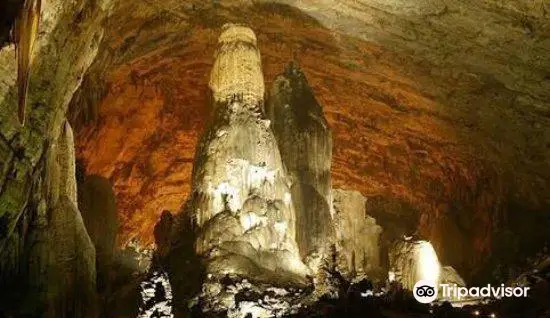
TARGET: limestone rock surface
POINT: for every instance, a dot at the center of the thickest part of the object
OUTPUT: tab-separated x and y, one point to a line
62	265
46	258
61	275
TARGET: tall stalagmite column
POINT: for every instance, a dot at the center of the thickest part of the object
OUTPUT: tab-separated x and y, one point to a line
241	201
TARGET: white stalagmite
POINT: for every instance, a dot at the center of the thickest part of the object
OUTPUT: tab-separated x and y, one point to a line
241	191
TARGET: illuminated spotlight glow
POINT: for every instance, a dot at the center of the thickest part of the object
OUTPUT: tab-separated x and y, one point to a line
493	315
476	313
428	264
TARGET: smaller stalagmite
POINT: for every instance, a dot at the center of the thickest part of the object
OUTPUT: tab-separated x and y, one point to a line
162	232
413	260
357	235
305	143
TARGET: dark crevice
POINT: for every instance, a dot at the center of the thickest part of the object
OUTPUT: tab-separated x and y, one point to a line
8	9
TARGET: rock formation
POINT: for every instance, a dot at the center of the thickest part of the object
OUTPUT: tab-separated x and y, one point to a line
427	130
357	236
427	107
61	256
449	275
305	144
47	260
241	202
162	232
413	260
97	203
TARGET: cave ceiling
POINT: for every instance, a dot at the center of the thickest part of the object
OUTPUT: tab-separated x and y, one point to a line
439	106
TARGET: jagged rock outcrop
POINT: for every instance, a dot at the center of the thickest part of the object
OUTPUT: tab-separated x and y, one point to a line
357	236
241	202
305	144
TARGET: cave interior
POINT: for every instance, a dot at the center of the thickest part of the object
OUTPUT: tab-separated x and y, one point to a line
227	151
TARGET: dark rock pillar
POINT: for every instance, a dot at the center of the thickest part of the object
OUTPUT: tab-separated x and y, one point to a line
98	205
305	143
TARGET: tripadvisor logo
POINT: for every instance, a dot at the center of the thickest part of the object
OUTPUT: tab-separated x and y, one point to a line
425	291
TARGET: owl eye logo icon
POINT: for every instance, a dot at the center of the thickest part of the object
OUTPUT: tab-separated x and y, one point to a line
425	291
